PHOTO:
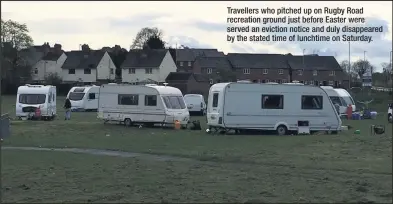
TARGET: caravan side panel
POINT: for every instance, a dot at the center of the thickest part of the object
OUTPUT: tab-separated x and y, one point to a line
243	107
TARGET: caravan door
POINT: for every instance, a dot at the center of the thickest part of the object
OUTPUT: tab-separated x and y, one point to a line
213	109
91	102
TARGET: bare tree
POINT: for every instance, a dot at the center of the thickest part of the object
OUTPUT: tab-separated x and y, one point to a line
360	67
387	72
345	66
144	35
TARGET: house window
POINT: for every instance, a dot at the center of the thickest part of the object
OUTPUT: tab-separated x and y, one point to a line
312	102
149	71
264	71
209	70
315	73
128	99
87	71
36	71
71	71
181	64
280	71
246	71
300	72
331	83
131	71
111	71
211	81
150	100
189	64
332	73
215	100
272	101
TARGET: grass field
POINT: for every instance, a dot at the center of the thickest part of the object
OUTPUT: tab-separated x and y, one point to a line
202	167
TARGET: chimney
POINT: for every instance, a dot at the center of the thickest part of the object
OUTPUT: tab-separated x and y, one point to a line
85	48
57	48
46	48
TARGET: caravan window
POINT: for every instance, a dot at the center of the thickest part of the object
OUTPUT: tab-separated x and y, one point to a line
79	90
272	102
336	100
76	96
150	100
215	100
174	102
50	98
92	96
32	98
127	99
167	102
312	102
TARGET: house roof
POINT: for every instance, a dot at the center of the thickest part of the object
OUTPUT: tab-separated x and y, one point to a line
213	62
257	61
83	60
191	54
144	58
52	56
184	76
313	62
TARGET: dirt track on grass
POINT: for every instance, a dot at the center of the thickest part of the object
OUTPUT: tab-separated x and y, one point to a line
102	152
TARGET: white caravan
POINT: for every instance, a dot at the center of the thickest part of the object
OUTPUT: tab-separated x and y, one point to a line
30	97
336	98
278	107
146	104
195	103
347	97
84	97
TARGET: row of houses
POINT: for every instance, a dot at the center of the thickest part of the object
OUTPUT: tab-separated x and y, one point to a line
191	70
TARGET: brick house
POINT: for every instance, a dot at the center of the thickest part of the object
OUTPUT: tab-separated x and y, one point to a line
317	70
260	68
216	69
189	83
185	58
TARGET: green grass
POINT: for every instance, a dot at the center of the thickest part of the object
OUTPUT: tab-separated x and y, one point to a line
318	168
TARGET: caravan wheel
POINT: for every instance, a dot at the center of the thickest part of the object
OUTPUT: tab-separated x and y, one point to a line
127	122
281	130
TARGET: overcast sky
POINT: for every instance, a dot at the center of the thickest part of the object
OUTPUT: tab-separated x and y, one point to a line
195	24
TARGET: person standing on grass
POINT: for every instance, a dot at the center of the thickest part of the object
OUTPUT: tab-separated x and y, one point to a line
67	107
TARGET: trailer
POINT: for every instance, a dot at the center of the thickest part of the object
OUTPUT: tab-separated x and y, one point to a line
84	98
32	97
142	104
278	107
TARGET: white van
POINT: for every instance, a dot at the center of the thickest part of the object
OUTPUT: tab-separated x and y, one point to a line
278	107
347	97
84	98
30	97
336	98
195	103
142	104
